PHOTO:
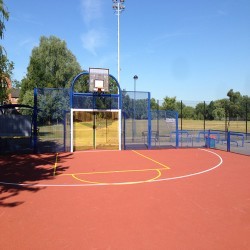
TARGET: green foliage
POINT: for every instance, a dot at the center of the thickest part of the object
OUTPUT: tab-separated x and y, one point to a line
51	65
199	110
28	98
219	114
52	105
235	107
6	66
4	15
169	103
154	105
188	112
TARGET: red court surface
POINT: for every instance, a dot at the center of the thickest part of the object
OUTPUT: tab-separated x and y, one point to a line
151	199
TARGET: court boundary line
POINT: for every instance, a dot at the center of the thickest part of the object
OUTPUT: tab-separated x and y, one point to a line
123	183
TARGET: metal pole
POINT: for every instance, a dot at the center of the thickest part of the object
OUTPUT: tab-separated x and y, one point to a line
181	114
204	116
118	6
35	148
246	118
134	108
118	43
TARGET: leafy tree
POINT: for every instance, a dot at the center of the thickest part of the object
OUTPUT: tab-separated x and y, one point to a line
4	15
179	105
153	104
209	111
52	105
218	113
51	65
200	111
169	103
188	112
28	98
6	66
16	84
233	107
141	107
245	107
127	104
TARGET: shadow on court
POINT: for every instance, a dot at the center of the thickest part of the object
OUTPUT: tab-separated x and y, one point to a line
25	169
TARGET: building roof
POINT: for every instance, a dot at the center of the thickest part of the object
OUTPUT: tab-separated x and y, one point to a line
15	93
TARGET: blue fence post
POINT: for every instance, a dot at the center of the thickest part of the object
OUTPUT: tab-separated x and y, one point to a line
228	141
208	138
124	129
177	131
149	121
35	122
64	130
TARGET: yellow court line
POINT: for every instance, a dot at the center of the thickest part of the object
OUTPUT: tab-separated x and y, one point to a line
133	182
116	171
158	176
163	165
81	180
55	165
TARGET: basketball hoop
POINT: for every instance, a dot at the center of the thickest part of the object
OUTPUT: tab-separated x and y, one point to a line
99	91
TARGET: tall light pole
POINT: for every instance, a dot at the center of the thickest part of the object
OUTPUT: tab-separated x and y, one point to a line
135	78
134	104
118	6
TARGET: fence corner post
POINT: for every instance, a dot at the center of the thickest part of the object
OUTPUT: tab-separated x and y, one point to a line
228	141
35	122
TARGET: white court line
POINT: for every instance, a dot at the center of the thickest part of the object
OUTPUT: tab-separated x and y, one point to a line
123	183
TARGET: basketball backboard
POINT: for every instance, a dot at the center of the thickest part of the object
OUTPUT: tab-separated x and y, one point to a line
98	80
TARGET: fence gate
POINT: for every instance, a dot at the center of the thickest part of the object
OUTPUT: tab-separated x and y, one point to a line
94	129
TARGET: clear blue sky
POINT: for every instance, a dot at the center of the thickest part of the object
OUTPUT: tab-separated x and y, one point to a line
194	50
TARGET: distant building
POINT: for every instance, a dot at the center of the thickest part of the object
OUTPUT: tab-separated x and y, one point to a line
14	95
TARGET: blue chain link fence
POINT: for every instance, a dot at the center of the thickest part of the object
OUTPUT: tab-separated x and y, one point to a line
142	127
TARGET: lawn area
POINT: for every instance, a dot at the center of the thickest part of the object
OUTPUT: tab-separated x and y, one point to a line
106	133
237	126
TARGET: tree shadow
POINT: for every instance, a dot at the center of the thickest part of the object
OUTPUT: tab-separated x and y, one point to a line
20	173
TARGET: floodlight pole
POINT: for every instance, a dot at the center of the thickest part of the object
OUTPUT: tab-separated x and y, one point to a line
134	106
118	7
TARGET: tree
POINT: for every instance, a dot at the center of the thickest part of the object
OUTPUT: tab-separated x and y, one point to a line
52	105
233	107
169	103
188	112
51	65
200	109
16	84
153	104
218	113
6	66
209	111
4	15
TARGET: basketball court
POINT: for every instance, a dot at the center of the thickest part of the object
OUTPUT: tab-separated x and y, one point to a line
133	199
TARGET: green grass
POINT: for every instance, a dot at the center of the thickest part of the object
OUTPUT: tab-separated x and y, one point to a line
51	132
237	126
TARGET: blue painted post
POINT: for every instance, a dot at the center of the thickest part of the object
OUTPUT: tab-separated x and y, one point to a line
228	141
177	131
35	122
124	130
149	120
64	131
208	138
